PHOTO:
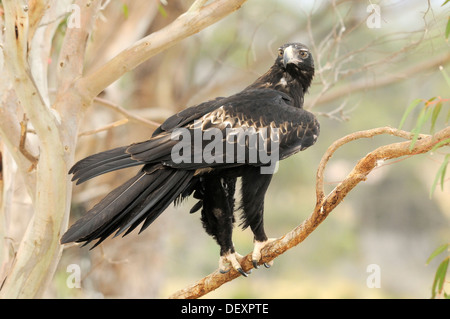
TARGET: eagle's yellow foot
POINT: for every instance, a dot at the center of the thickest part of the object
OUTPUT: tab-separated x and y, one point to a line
256	255
231	260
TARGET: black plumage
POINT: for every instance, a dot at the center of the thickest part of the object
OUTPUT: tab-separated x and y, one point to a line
242	135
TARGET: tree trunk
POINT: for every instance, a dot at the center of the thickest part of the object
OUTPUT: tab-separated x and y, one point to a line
30	27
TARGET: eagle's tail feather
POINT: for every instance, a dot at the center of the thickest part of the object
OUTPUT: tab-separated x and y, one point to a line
102	163
142	198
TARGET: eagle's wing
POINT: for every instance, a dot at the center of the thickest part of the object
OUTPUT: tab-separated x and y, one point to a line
248	128
252	127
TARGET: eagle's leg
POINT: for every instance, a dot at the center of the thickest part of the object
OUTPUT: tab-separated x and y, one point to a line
254	187
231	259
218	219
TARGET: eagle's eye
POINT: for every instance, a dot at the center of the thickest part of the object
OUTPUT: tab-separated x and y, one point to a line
304	54
280	52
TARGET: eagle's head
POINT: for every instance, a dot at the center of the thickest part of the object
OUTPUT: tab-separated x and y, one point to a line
292	72
296	60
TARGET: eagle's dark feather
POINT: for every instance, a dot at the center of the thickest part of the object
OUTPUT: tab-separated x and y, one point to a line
273	102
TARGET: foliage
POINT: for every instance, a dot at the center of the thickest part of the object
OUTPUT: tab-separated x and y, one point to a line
441	272
430	111
447	28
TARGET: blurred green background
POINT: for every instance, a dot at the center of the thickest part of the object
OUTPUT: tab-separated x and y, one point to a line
369	67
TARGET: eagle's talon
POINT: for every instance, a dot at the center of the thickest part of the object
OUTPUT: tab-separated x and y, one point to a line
243	273
256	254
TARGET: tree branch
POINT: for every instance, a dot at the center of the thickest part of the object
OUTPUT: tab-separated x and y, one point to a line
185	25
73	50
130	116
324	204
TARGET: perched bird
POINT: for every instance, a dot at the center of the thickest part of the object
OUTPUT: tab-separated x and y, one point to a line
201	151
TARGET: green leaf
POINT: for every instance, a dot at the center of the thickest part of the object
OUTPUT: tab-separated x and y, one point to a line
431	100
126	11
444	170
162	11
436	110
440	175
439	278
437	251
446	1
409	110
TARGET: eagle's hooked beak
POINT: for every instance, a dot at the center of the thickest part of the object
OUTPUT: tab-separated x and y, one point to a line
291	55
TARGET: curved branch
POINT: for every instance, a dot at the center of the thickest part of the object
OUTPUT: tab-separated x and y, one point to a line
349	138
324	204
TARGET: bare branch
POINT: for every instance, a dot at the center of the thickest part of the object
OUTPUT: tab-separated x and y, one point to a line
380	82
71	57
130	116
185	25
104	128
197	5
349	138
324	204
